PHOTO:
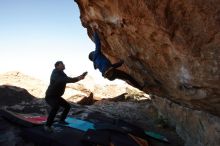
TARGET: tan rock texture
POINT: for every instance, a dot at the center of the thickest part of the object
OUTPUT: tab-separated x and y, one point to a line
34	86
172	44
197	128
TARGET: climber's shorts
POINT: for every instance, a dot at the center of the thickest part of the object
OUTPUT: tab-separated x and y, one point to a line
109	73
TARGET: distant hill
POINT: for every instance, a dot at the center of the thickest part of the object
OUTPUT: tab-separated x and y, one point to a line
37	87
34	86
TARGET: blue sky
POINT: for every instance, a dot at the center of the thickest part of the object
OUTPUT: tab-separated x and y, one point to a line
36	33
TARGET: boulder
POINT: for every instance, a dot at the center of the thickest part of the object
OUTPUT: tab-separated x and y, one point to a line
173	45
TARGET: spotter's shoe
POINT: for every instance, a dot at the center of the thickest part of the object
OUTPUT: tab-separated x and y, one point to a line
48	129
63	122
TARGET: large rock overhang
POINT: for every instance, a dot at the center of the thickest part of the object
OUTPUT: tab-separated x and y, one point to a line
172	44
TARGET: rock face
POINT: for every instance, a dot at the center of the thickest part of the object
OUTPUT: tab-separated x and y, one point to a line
197	128
11	95
172	44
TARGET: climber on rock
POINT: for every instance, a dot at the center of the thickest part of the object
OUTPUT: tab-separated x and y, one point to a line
108	70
